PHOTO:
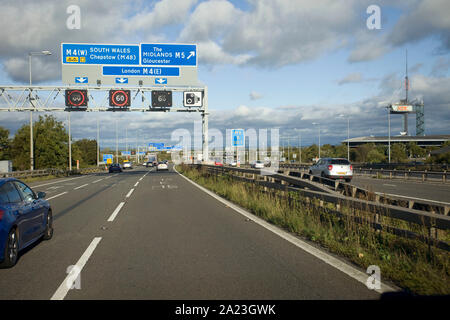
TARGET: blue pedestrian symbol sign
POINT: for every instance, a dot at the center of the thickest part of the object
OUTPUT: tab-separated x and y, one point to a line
237	137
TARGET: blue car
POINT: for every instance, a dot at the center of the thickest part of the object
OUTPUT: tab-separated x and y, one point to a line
24	218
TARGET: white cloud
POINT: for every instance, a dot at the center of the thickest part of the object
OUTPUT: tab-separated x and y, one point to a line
255	95
427	18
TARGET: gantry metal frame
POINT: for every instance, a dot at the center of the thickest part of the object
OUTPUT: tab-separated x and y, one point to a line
43	99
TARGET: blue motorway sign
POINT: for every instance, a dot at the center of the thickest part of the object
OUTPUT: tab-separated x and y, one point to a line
140	71
126	153
237	137
156	146
81	79
107	156
86	54
168	54
160	80
121	80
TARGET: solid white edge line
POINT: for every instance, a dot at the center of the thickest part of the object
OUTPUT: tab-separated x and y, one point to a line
136	184
65	286
413	198
98	180
129	193
114	214
325	257
84	185
56	195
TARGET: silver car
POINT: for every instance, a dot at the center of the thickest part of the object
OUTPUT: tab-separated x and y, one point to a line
333	168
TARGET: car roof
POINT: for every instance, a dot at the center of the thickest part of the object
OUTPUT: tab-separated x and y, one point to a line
4	180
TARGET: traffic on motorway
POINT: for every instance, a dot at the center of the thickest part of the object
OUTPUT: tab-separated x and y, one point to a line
222	158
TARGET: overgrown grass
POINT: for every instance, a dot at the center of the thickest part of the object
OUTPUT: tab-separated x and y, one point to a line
35	179
410	264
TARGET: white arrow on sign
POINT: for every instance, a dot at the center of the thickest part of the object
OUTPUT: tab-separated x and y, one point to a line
192	54
121	80
81	79
161	80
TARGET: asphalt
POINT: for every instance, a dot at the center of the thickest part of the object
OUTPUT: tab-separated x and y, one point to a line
170	240
426	191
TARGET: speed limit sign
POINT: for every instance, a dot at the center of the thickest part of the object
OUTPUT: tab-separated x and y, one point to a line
119	98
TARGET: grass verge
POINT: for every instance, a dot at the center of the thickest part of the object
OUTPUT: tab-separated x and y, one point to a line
410	264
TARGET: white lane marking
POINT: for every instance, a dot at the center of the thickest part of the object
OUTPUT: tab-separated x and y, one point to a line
47	184
413	198
65	286
136	184
389	185
84	185
56	196
55	187
129	193
97	180
140	179
114	214
332	261
108	177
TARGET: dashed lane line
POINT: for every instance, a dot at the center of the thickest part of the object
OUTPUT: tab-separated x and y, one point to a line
74	273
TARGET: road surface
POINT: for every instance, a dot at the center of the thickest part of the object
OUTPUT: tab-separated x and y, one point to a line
166	239
421	190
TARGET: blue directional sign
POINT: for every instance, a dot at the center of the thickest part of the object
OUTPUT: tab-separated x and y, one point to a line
121	80
81	80
140	71
237	137
126	153
156	146
82	54
168	54
160	80
107	156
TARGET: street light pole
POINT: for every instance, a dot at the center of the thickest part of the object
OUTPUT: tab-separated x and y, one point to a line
70	147
389	133
117	145
98	143
31	112
318	125
348	139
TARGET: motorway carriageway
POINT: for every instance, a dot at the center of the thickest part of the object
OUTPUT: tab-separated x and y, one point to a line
143	234
417	190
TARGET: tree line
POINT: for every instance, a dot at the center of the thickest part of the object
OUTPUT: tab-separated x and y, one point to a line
51	146
51	149
368	153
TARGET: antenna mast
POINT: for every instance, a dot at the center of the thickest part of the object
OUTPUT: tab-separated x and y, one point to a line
406	77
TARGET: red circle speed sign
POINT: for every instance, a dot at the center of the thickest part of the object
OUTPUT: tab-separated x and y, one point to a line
119	98
76	97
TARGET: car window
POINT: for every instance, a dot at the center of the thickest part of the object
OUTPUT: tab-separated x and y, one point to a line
4	194
340	161
12	193
27	193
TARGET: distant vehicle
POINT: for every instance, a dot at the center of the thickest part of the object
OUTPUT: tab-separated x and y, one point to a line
162	166
333	168
127	165
149	164
233	163
115	167
152	157
25	217
218	163
258	165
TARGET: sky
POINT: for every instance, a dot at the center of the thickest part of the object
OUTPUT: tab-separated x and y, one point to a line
268	64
